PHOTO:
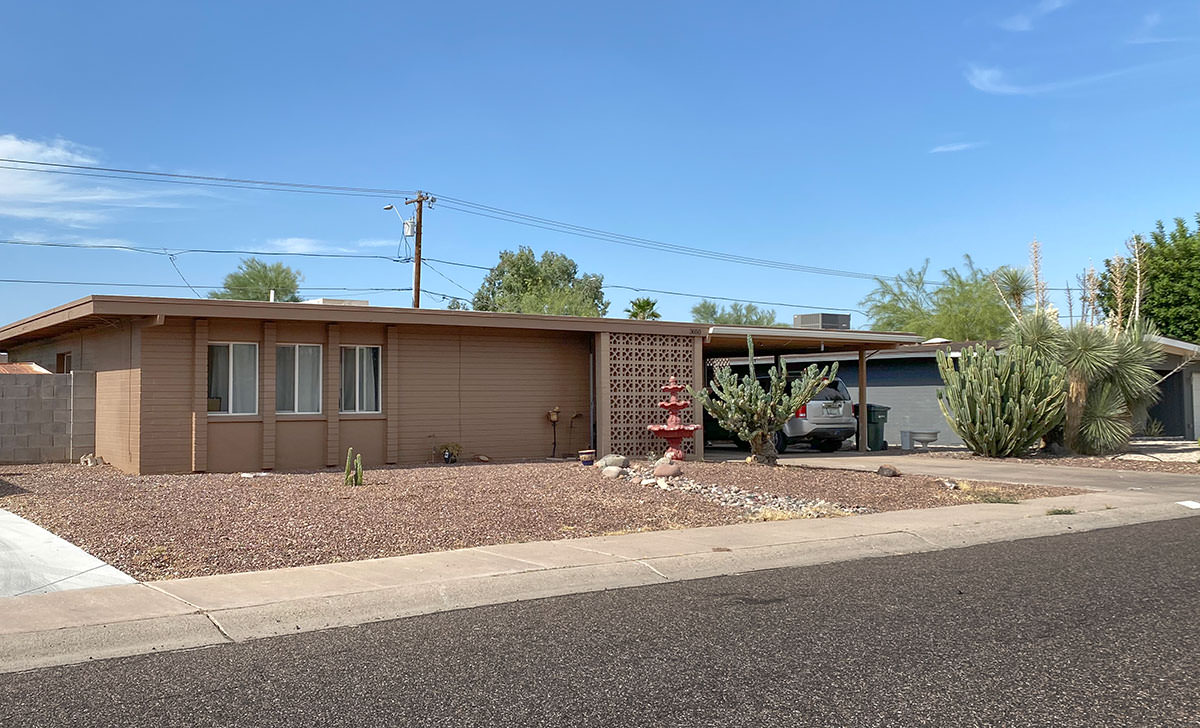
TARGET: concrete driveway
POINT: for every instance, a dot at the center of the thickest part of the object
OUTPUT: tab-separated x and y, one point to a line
35	561
1179	485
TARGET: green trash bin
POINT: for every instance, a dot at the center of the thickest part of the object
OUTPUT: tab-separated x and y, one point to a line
877	416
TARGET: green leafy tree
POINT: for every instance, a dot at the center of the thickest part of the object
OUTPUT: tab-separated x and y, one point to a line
644	309
1170	280
1001	405
755	413
254	280
522	283
964	306
738	314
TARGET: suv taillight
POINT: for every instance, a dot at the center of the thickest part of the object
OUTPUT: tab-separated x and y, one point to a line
803	411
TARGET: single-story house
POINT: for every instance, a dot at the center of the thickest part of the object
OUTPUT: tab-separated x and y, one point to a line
185	385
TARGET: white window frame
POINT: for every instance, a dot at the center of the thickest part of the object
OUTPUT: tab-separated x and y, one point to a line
358	349
296	378
257	385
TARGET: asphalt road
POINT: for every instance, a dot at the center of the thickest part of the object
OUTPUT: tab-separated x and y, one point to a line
1095	629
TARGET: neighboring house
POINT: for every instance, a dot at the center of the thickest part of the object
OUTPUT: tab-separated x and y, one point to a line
186	385
906	379
1177	407
21	367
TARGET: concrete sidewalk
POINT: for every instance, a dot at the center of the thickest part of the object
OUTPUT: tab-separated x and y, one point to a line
76	626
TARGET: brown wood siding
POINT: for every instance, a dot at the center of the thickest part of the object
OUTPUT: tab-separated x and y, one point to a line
490	391
200	397
115	355
235	446
508	384
331	378
366	436
169	380
300	444
266	393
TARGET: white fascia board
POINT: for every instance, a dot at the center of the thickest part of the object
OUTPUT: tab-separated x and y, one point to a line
866	337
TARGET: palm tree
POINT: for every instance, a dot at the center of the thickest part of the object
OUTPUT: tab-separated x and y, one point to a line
643	309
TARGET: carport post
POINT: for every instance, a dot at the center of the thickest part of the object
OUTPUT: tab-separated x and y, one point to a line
862	400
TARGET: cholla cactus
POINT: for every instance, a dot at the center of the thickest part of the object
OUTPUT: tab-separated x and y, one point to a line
1001	404
753	413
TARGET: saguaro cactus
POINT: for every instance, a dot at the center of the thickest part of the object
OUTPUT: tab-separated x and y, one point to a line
1001	404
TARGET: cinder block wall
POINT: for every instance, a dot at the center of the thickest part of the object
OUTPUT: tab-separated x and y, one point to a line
46	418
913	408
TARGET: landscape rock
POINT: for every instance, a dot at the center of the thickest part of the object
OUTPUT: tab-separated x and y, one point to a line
888	471
619	461
483	458
663	461
668	470
950	484
612	471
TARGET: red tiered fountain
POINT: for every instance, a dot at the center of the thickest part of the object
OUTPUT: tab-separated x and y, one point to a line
674	431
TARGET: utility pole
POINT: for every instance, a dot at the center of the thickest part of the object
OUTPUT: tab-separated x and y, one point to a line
419	201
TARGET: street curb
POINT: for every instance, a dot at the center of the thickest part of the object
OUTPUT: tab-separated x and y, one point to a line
66	628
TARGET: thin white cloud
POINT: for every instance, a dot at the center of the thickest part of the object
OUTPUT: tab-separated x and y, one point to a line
301	245
1147	32
1023	22
955	147
70	200
380	243
996	81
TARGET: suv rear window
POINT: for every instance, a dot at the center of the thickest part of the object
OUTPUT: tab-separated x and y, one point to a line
834	391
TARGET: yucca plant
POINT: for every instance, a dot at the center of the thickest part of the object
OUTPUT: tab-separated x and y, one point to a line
754	413
1001	404
1109	375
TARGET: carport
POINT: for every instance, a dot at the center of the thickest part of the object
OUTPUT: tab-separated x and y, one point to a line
725	343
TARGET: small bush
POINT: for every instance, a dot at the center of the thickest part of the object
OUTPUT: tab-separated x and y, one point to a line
1060	512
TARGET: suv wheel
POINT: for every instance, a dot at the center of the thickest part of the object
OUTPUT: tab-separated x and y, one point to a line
781	442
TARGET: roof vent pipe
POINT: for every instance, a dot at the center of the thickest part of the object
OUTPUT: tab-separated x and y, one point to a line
272	299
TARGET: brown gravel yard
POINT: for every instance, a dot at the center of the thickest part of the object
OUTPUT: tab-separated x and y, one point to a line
171	526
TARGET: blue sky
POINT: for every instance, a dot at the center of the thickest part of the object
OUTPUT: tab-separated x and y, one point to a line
859	136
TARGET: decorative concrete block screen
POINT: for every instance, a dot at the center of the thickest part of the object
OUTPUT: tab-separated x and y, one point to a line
637	366
46	418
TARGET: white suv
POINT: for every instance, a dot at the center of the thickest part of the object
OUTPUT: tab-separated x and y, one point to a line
825	421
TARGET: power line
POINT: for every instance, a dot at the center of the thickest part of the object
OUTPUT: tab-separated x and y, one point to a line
203	180
451	203
216	251
448	279
170	255
126	284
455	204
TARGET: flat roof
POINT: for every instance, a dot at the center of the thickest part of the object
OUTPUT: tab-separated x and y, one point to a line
99	310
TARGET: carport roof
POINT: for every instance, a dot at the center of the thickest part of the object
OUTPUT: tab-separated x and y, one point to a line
731	340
